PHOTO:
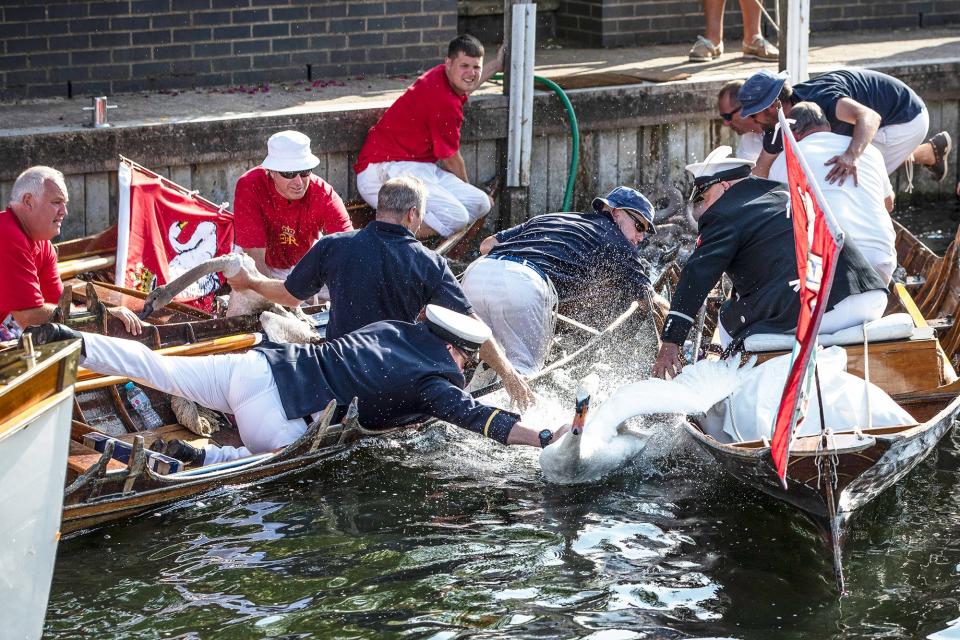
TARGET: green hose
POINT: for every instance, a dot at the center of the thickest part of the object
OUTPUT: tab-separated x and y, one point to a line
574	136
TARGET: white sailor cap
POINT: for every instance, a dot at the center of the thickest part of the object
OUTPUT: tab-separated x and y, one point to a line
459	330
719	165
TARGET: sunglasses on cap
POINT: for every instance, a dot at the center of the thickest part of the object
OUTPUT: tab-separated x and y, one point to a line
728	117
290	175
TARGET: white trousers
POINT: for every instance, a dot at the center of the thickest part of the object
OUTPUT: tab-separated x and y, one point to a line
241	384
452	203
518	305
897	141
851	311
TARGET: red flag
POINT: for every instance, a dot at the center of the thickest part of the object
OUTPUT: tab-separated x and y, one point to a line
171	230
817	249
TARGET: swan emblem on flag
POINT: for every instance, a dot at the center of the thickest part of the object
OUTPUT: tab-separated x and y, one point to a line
193	249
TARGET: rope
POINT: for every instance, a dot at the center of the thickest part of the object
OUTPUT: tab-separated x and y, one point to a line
866	385
908	169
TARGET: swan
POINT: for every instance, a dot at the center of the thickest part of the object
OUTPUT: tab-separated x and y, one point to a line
605	442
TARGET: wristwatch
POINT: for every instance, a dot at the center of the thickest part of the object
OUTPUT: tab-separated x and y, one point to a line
545	437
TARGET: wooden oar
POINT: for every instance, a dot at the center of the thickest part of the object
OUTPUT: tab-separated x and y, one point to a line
88	380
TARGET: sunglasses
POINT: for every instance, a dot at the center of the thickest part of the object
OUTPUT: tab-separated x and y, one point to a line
700	192
290	175
471	358
640	224
728	117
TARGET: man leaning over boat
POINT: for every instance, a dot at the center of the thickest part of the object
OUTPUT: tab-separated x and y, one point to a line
30	287
401	374
746	233
558	256
381	272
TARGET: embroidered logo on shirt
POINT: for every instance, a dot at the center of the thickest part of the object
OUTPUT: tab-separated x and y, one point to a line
287	236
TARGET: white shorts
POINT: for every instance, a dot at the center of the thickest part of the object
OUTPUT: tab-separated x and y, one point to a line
897	141
452	203
241	384
518	305
851	311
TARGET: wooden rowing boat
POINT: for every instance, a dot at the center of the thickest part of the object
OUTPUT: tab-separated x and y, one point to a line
101	489
916	374
36	400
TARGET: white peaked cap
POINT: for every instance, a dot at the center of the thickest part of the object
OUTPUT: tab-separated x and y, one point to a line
459	330
289	151
718	161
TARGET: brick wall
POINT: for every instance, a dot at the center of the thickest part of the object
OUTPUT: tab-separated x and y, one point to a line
613	23
52	47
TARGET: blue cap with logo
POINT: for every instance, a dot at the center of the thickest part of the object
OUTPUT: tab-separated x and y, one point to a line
631	200
759	91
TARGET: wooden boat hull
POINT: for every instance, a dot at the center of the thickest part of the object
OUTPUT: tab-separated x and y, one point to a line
35	410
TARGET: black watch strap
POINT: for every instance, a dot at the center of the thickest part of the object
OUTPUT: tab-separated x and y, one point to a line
545	437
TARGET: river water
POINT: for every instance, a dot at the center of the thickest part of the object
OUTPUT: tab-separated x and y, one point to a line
443	535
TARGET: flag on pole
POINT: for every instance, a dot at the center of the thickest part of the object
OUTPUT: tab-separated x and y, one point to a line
171	230
817	240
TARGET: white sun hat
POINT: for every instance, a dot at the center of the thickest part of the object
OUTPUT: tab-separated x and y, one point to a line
289	151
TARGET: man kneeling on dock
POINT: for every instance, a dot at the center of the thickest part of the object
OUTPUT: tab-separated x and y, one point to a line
746	232
400	373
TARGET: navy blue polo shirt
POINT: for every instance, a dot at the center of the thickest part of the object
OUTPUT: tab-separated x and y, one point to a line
577	251
895	102
400	373
381	272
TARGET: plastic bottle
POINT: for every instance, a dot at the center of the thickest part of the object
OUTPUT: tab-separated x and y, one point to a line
141	404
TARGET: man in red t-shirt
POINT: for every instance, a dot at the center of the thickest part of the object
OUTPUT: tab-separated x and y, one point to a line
280	208
30	287
419	135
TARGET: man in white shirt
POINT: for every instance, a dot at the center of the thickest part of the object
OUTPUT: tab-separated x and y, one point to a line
862	210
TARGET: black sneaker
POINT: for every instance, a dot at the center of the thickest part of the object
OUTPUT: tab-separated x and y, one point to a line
184	452
53	332
942	144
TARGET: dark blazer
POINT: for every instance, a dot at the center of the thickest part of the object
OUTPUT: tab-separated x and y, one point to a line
400	373
748	235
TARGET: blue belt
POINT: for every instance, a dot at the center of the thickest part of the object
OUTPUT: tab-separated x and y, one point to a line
522	261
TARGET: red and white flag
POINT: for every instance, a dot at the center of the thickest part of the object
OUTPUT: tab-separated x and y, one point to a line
818	241
170	231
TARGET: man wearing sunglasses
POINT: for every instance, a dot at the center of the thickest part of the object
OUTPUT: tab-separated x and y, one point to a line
729	109
515	287
745	232
281	208
868	106
400	372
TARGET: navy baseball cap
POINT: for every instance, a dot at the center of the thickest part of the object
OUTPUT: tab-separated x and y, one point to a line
630	199
759	92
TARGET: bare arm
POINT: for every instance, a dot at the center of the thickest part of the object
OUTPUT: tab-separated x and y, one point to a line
888	203
865	123
492	67
271	289
764	162
521	434
488	244
516	385
455	165
36	315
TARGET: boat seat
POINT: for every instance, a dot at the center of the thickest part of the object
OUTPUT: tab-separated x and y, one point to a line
82	457
896	326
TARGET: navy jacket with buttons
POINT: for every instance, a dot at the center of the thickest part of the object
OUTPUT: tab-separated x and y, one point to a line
747	235
381	272
400	373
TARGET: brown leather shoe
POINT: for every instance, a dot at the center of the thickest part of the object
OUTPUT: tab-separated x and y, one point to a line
760	49
704	50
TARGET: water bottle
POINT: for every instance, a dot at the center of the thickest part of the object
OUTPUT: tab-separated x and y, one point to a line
141	404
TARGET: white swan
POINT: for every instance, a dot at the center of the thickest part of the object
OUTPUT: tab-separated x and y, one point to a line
605	442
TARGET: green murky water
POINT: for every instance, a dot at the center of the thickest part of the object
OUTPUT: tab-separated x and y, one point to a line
441	535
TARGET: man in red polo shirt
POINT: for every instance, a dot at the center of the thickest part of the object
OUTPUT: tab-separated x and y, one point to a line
281	208
30	287
419	135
